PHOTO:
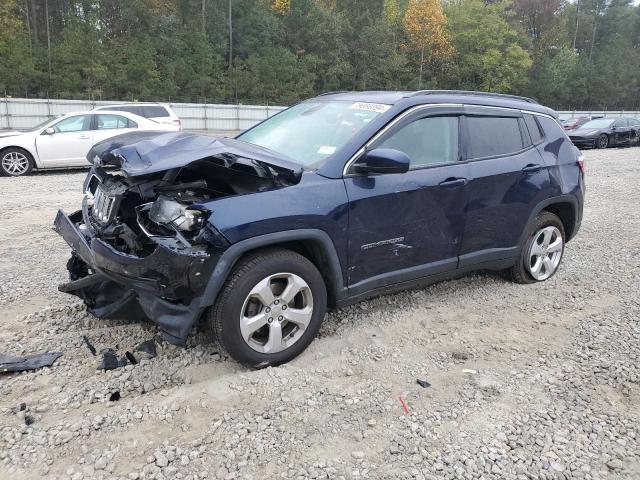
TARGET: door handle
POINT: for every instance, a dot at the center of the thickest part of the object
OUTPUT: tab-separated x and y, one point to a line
531	168
453	182
83	137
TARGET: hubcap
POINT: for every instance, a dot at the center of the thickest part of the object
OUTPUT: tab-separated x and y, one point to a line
276	313
545	253
15	163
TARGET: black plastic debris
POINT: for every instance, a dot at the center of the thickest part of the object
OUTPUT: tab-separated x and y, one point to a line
9	363
22	407
148	347
110	360
131	358
91	348
115	396
28	420
423	383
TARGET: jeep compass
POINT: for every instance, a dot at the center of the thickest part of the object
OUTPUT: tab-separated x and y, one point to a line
338	198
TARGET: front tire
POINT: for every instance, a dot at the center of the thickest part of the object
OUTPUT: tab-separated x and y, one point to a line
603	141
542	252
270	308
15	162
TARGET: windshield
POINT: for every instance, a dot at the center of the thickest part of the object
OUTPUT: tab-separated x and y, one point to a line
599	123
311	131
40	125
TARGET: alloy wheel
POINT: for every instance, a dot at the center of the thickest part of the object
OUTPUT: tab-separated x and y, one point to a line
276	313
15	163
603	141
545	253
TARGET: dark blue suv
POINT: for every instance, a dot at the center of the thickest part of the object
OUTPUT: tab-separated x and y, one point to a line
338	198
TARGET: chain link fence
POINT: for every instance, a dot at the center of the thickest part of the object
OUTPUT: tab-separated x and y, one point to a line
24	113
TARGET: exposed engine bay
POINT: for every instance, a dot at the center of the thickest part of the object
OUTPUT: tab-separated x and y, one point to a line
134	214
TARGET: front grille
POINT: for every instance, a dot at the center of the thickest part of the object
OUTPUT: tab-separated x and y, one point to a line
103	206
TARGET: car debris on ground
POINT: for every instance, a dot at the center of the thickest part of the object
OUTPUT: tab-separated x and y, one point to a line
9	363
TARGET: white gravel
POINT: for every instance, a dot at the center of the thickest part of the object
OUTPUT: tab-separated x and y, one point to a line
539	381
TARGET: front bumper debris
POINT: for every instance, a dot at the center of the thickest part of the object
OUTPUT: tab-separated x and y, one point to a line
164	286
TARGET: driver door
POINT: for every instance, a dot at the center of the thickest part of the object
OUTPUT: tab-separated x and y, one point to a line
404	226
68	145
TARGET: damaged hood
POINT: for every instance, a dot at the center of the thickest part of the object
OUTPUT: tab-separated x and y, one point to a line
142	153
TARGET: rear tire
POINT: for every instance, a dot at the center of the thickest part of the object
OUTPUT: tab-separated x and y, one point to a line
270	308
15	162
542	252
603	141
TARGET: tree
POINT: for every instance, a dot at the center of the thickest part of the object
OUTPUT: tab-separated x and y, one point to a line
426	27
17	68
490	53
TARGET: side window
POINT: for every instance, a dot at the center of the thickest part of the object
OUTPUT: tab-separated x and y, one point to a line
427	141
106	122
534	129
491	136
154	111
77	123
620	123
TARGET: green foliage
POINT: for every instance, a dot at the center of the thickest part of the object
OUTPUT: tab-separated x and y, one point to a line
491	54
578	54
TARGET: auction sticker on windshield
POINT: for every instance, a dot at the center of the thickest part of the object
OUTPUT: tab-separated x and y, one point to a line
370	107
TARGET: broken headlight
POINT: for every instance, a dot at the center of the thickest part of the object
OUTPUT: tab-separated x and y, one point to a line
168	212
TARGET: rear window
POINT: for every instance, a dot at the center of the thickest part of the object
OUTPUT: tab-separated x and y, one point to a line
492	136
154	111
534	129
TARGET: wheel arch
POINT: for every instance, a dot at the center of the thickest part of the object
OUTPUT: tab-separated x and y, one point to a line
565	207
313	244
34	157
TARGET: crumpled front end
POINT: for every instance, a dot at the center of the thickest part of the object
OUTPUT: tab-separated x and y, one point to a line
144	243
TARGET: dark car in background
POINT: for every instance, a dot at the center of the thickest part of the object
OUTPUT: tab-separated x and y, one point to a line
606	132
574	123
338	198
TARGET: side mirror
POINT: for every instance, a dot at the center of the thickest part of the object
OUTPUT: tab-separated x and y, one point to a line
50	131
383	160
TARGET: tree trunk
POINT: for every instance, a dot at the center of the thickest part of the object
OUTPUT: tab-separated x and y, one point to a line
593	32
46	12
575	33
421	65
34	20
204	24
230	36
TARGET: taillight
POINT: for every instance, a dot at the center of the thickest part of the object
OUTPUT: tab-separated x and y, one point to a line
178	123
581	163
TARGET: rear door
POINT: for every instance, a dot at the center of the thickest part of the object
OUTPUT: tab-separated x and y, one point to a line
109	125
508	178
409	225
68	145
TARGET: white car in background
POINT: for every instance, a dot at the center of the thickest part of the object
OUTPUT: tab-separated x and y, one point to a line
64	141
159	112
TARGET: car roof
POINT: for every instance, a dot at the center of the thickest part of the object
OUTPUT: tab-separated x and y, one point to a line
134	104
102	112
441	96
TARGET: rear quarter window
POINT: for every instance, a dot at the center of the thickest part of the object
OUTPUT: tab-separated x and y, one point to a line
551	128
154	111
493	136
534	128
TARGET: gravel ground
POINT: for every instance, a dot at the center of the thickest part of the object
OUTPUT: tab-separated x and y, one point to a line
538	381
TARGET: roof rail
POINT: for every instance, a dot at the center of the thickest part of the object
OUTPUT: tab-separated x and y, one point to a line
472	93
331	93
